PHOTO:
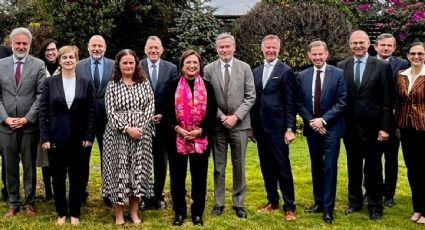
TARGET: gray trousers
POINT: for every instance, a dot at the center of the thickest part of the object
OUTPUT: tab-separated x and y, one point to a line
16	147
238	140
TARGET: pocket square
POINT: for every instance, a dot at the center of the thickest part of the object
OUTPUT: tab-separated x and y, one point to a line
275	78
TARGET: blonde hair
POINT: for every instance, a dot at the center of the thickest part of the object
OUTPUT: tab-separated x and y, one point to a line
66	49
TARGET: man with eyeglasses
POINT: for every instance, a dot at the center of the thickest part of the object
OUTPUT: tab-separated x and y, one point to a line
368	117
385	45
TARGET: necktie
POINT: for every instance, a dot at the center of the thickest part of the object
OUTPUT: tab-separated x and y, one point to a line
357	75
18	72
317	94
96	77
154	77
266	75
226	85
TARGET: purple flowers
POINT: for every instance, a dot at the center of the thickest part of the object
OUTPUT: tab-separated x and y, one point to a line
418	16
402	36
364	7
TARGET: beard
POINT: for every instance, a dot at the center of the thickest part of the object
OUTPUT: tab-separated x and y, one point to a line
19	55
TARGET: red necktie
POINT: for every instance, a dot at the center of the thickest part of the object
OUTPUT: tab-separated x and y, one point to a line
18	72
317	94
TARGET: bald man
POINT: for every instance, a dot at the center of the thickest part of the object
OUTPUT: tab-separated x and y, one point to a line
368	117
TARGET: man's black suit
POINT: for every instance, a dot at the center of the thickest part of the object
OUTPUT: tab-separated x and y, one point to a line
273	113
166	73
368	110
5	51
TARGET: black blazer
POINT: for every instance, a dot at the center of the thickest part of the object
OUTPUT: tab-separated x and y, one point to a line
368	109
275	105
63	126
167	72
5	51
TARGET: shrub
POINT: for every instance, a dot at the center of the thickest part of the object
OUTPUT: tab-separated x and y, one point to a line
296	25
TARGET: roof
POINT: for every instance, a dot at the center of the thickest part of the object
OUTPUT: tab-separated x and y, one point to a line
232	7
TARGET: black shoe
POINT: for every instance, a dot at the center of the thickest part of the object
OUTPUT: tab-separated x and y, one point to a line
375	216
351	210
240	212
314	209
328	217
179	220
388	202
218	210
145	205
197	221
160	204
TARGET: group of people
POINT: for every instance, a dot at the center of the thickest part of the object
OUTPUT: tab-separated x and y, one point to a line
148	113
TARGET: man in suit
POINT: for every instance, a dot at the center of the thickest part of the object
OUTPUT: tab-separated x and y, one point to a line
322	97
385	46
234	90
5	51
99	70
21	81
161	73
368	117
273	123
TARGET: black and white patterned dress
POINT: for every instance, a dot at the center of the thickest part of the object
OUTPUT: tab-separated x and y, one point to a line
127	163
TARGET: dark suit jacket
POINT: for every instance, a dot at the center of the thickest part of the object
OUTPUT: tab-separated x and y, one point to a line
5	51
398	64
84	70
274	108
61	125
167	72
368	109
332	100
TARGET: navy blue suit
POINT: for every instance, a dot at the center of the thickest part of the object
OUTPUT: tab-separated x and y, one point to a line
324	149
274	111
167	72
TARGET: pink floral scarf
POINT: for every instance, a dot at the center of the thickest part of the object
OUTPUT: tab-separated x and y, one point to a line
190	111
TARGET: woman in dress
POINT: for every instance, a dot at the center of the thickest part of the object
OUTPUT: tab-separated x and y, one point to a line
189	118
410	120
127	153
67	129
49	54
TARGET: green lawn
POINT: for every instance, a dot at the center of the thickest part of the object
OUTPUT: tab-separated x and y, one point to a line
95	215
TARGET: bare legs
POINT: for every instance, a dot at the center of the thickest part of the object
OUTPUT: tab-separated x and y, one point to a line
134	207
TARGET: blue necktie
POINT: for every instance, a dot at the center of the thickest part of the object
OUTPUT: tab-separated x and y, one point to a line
154	77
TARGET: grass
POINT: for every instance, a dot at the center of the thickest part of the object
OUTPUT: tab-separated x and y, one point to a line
95	215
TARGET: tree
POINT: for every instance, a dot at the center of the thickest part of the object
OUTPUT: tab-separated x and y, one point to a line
297	25
195	27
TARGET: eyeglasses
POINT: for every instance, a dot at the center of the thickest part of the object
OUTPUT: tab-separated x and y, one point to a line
413	54
358	43
50	50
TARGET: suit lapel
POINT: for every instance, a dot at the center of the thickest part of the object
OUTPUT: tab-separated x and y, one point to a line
161	73
25	70
106	72
258	79
326	82
370	65
217	70
349	73
418	82
276	69
10	72
78	88
308	84
59	86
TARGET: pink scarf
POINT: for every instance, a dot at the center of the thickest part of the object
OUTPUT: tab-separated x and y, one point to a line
190	111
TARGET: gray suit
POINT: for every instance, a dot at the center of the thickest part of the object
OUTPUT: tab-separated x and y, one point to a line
84	70
241	97
18	101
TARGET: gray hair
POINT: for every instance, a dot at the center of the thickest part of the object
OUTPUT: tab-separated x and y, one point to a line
270	37
153	38
97	36
20	30
383	36
224	36
317	43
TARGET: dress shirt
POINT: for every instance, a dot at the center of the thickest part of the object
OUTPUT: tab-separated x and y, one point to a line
69	90
15	64
362	66
268	69
100	66
151	69
222	64
408	73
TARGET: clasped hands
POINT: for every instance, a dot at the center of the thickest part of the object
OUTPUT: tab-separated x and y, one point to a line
15	122
189	135
229	121
134	133
317	125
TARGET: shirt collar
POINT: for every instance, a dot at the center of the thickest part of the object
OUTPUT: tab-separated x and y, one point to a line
408	71
273	63
15	60
363	59
150	63
321	69
92	61
222	63
387	59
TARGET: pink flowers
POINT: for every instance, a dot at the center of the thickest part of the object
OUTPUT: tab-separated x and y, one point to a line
402	36
364	7
418	16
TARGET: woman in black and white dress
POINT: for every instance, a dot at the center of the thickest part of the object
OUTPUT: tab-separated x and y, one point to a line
127	152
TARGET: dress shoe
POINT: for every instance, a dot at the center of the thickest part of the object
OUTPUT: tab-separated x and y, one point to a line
197	221
375	216
11	213
290	216
145	205
179	220
268	207
388	202
218	210
160	204
328	217
240	212
30	212
351	210
314	209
